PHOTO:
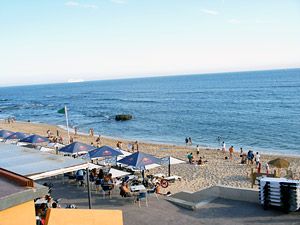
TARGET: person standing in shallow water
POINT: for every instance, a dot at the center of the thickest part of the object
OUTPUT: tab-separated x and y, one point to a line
186	141
190	141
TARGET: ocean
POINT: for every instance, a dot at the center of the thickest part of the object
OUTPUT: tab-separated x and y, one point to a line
255	110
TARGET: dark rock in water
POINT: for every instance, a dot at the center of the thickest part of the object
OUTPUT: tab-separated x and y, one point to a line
123	117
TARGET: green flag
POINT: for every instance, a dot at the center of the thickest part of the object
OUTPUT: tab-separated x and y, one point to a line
62	111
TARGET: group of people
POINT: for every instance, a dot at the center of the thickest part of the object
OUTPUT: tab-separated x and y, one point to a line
10	120
134	147
246	158
191	159
188	141
55	138
125	190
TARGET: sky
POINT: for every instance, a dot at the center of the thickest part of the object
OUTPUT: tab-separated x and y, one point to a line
55	41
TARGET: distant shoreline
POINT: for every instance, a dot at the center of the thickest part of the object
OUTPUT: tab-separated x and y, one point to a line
155	76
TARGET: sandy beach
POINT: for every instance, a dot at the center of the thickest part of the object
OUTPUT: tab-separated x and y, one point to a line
216	171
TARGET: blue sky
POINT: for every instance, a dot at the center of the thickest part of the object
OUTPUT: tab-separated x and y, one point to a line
54	41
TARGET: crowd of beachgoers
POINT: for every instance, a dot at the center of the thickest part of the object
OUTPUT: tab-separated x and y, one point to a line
204	167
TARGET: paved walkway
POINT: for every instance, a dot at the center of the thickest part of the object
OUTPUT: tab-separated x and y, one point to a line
162	212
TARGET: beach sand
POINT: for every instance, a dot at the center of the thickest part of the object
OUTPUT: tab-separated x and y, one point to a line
216	171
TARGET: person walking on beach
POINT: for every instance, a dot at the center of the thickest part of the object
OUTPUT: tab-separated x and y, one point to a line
92	132
267	168
98	140
250	157
223	147
198	150
231	150
48	133
257	158
76	131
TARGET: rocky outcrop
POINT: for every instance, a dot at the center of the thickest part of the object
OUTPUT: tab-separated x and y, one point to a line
123	117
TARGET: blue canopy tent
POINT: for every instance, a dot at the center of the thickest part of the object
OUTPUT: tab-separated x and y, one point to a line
104	152
140	160
34	139
5	133
76	148
16	136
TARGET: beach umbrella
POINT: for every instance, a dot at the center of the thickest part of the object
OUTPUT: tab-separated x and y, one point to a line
104	152
140	160
125	153
169	160
16	135
5	133
279	163
34	139
76	148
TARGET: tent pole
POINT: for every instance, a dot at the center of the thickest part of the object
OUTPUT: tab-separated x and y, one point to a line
143	176
66	113
169	169
88	186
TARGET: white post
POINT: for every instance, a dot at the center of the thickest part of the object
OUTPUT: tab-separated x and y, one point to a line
66	113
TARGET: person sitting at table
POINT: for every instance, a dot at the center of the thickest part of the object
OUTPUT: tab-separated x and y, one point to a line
80	176
124	190
157	189
107	180
101	174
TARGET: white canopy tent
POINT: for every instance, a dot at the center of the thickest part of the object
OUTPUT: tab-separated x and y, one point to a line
36	164
118	173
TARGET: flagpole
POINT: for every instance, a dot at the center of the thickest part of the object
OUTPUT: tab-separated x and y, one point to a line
66	113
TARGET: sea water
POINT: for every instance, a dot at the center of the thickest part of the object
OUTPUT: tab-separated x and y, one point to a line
254	110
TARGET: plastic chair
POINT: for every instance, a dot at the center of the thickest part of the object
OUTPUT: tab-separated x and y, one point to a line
141	196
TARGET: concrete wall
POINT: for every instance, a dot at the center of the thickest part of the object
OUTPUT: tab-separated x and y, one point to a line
20	214
239	194
198	199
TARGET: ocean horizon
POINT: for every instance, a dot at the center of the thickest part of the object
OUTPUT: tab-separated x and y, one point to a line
256	110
